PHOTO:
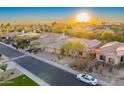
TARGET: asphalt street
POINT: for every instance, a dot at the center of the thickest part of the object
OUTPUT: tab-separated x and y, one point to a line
49	73
9	52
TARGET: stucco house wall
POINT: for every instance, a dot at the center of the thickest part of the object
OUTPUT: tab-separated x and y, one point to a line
116	59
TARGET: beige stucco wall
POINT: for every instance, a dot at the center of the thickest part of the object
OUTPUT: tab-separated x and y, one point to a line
97	57
120	53
116	58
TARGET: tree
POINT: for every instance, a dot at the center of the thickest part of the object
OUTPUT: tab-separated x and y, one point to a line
109	35
58	29
38	30
67	30
72	47
54	23
34	44
26	29
119	38
8	25
2	25
18	28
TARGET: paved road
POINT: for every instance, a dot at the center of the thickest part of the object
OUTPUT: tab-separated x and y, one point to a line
50	74
9	52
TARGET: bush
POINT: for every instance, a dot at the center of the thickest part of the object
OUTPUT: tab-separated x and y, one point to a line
79	65
120	65
1	78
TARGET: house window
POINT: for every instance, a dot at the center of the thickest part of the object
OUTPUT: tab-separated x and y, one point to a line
122	58
102	57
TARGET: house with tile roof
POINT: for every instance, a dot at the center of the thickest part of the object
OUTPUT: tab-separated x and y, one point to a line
111	52
59	41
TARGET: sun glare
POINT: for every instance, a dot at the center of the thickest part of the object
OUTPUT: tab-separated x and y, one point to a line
82	17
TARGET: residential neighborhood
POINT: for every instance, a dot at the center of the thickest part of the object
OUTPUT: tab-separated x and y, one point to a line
55	53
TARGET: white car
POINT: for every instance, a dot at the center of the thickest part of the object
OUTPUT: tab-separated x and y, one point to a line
87	78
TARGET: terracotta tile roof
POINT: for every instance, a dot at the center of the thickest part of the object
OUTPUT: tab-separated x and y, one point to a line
56	40
110	48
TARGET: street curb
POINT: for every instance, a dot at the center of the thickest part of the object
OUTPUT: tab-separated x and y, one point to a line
103	83
23	70
30	75
46	61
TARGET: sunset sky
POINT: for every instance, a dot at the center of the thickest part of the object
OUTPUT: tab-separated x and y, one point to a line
63	14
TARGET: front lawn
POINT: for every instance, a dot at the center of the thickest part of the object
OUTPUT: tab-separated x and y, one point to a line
20	81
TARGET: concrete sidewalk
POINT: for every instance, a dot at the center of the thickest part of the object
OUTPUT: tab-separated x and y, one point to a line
30	75
26	72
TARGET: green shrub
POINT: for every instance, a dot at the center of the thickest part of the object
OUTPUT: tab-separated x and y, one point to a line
120	65
1	78
79	65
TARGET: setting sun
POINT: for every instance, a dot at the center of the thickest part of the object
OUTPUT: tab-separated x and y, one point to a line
82	17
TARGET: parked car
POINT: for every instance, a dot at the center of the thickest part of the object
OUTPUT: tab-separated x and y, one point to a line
87	78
